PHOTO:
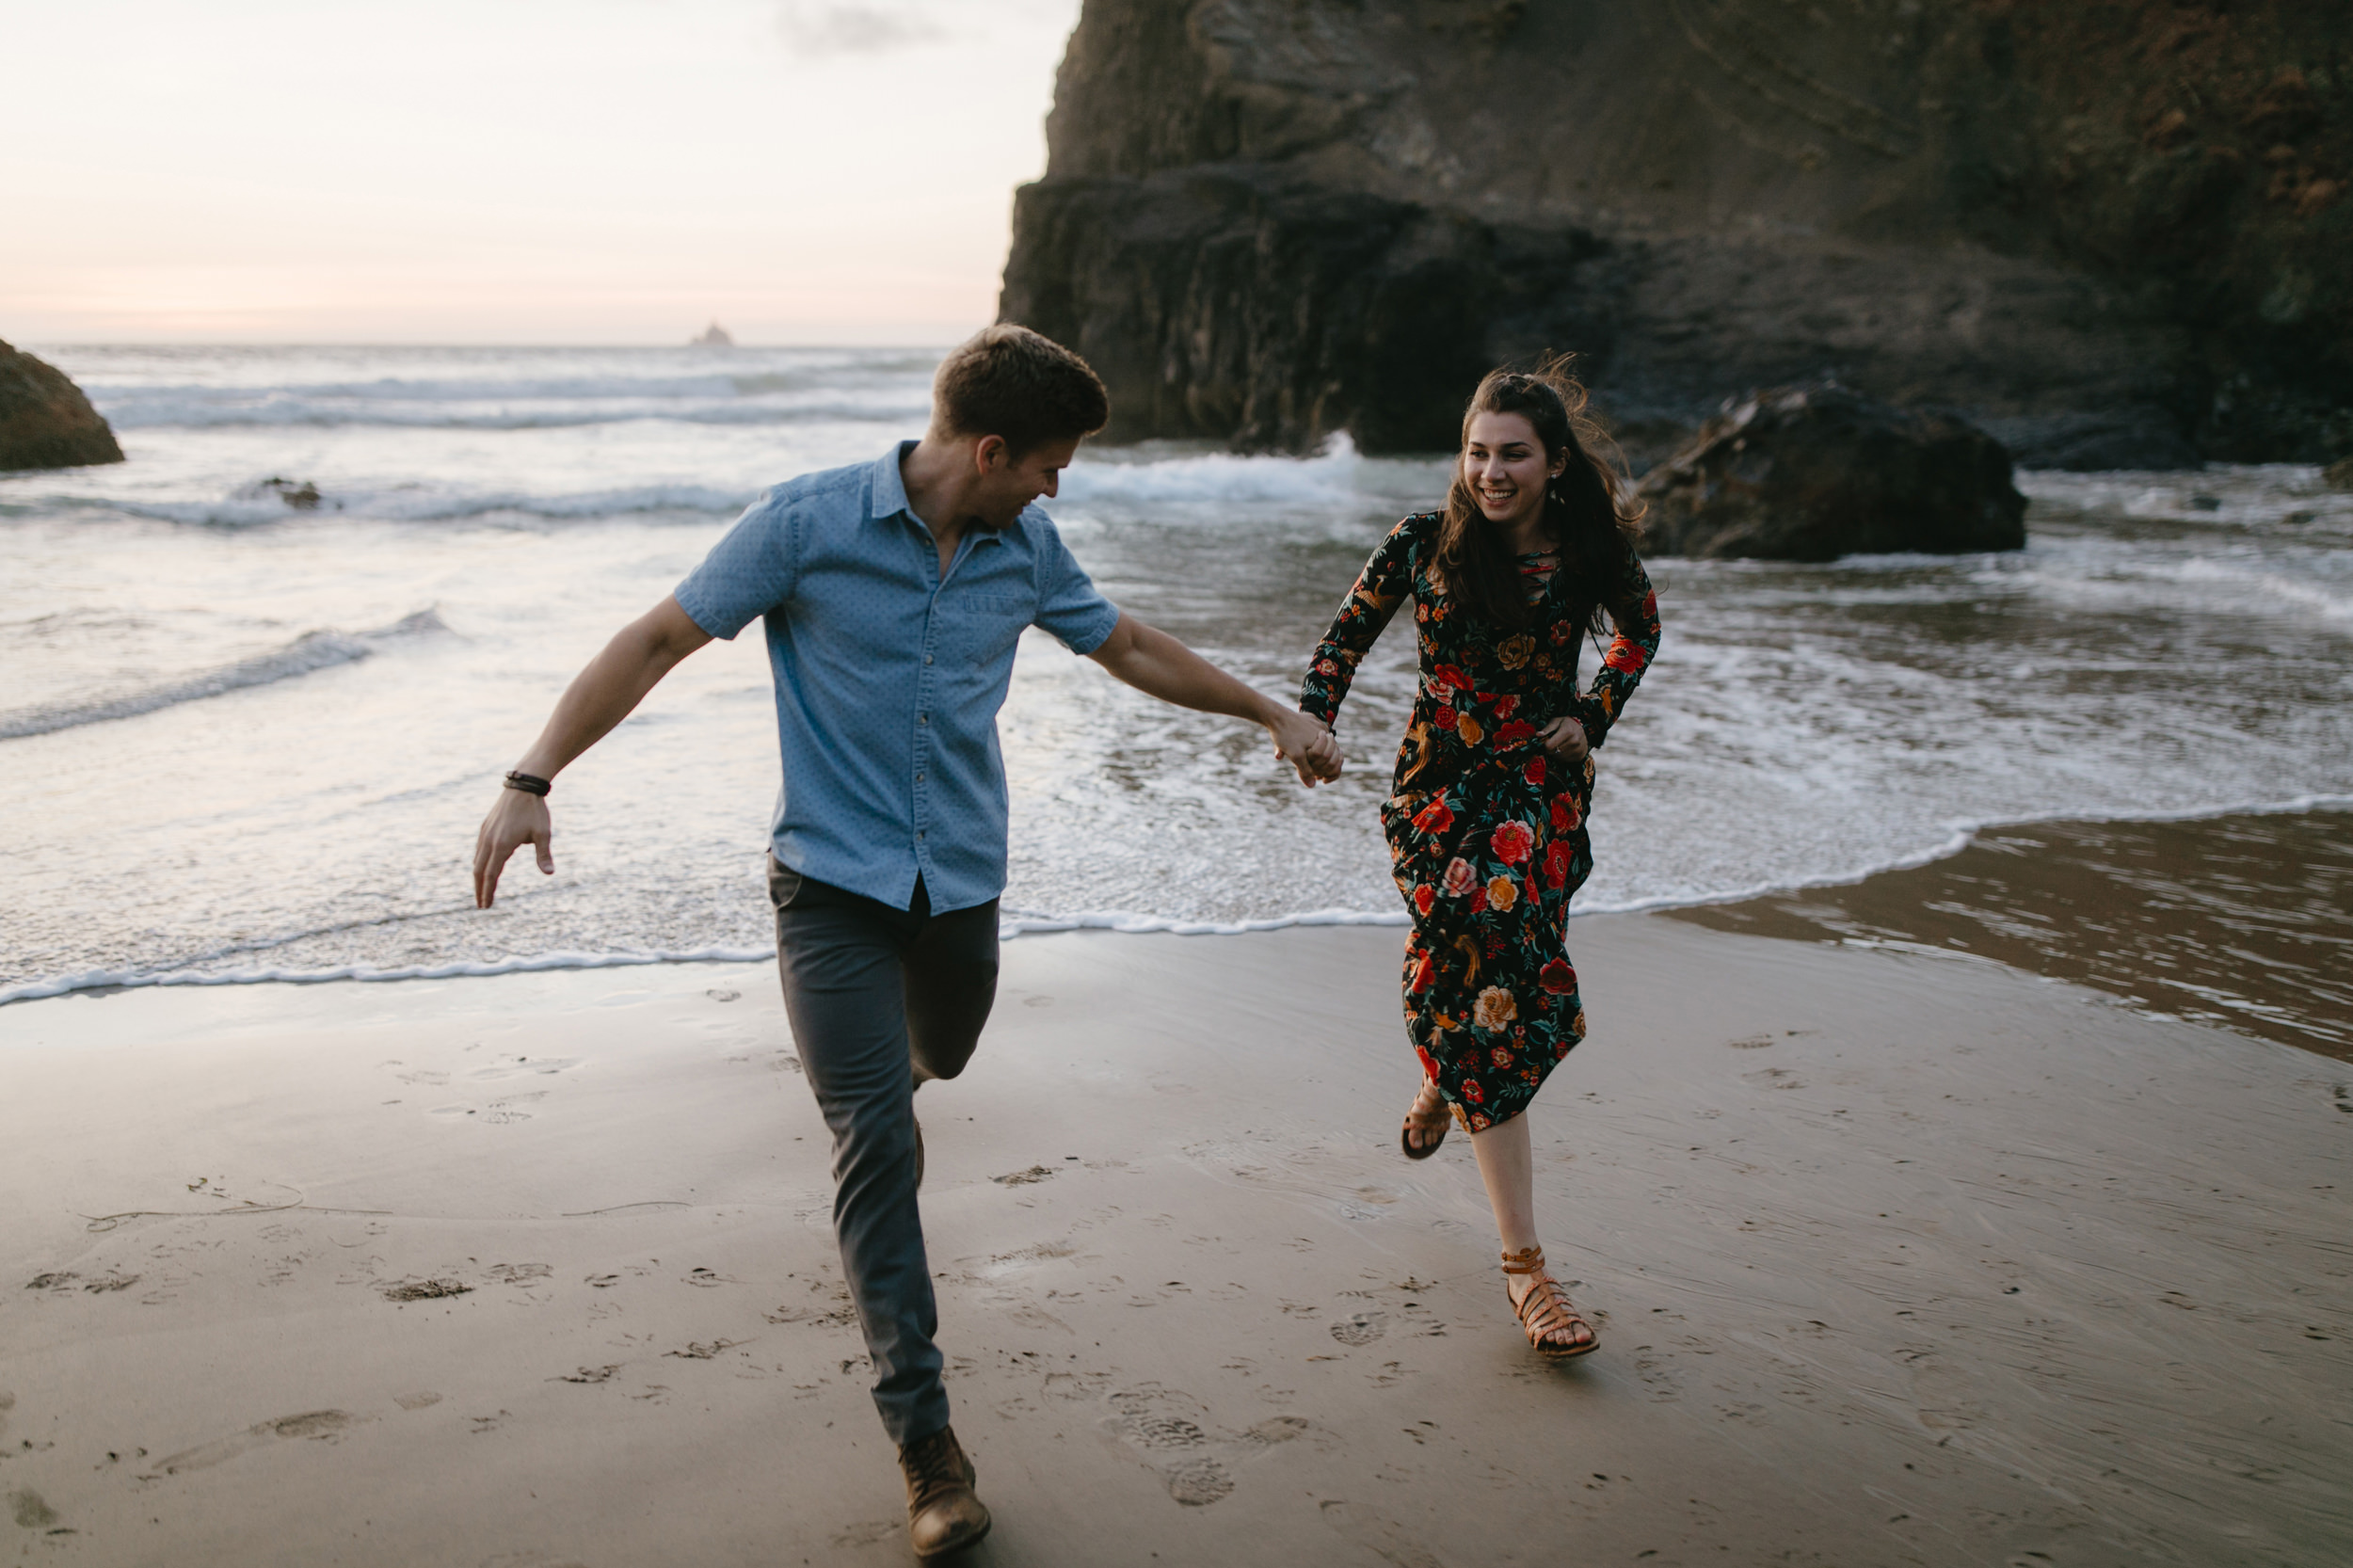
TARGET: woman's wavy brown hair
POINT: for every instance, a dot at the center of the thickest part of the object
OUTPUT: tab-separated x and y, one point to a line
1589	510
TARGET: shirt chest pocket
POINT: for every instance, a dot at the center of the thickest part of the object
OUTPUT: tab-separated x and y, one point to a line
978	630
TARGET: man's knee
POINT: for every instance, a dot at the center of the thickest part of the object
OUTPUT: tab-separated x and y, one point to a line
947	1007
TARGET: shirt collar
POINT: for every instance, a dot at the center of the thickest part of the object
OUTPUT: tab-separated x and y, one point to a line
889	490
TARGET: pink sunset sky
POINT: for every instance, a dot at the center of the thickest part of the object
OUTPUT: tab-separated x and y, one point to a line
516	171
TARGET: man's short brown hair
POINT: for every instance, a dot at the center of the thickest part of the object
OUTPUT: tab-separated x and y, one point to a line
1006	381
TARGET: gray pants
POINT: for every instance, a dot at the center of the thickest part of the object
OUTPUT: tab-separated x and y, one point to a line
880	999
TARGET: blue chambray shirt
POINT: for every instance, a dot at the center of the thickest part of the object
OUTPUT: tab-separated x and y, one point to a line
888	678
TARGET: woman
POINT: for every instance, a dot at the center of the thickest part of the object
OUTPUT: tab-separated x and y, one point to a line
1486	818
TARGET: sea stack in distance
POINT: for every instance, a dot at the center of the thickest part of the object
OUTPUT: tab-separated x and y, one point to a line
714	336
45	422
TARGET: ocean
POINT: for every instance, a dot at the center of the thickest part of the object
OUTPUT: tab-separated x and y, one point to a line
262	679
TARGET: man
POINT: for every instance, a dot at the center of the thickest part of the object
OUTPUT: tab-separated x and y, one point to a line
894	593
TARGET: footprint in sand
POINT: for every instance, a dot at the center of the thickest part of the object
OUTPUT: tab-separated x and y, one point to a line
519	1066
1386	1538
31	1512
1361	1328
1163	1426
320	1425
499	1112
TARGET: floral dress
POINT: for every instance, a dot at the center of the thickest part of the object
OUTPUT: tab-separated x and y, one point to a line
1487	835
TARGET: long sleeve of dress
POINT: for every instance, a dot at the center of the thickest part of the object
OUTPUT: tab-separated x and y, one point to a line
1628	655
1385	584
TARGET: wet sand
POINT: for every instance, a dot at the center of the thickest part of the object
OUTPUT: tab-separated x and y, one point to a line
2243	920
1896	1259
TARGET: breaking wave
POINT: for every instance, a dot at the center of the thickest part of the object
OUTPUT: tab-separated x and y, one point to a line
313	651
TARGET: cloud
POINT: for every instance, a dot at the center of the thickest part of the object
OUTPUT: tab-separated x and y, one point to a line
816	28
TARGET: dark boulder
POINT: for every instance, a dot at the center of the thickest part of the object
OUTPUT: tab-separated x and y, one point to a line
45	422
1811	473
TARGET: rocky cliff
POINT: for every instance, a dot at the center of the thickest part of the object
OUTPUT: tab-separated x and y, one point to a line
45	422
2114	232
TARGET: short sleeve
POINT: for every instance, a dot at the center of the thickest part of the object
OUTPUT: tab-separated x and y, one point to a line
747	573
1068	604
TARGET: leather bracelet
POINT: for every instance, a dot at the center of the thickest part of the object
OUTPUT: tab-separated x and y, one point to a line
528	784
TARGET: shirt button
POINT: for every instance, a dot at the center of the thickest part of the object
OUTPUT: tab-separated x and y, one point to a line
927	658
922	718
919	833
919	778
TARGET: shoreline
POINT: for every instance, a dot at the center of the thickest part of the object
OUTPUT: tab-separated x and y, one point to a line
2203	922
1893	1260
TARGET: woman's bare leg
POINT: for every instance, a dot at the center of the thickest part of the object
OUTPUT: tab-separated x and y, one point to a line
1507	1166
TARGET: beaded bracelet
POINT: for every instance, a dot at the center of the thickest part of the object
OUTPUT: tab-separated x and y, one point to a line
527	784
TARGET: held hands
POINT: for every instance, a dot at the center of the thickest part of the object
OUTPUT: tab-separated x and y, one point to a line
1565	738
518	818
1307	746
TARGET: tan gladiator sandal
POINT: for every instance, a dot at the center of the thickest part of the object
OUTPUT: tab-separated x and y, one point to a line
1544	1312
1424	1123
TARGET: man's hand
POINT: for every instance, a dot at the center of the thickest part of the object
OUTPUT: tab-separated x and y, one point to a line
1565	738
1310	748
600	696
520	817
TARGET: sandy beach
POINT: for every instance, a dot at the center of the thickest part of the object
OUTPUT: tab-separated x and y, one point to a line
1896	1259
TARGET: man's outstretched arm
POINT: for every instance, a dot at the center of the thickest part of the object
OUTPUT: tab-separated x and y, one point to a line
1159	665
600	696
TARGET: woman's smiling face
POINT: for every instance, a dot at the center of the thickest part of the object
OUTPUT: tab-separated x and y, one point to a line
1506	467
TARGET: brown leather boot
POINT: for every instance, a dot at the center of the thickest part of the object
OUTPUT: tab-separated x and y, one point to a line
943	1515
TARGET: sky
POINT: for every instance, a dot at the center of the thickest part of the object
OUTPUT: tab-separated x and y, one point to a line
516	171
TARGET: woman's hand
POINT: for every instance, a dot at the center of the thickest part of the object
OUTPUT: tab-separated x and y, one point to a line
1565	738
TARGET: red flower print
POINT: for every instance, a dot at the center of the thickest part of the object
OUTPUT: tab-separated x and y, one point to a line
1564	814
1478	902
1513	733
1499	1056
1434	817
1556	864
1626	656
1424	972
1429	1063
1447	675
1460	878
1512	841
1506	706
1327	666
1480	1120
1473	1093
1557	977
1424	898
1444	718
1534	772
